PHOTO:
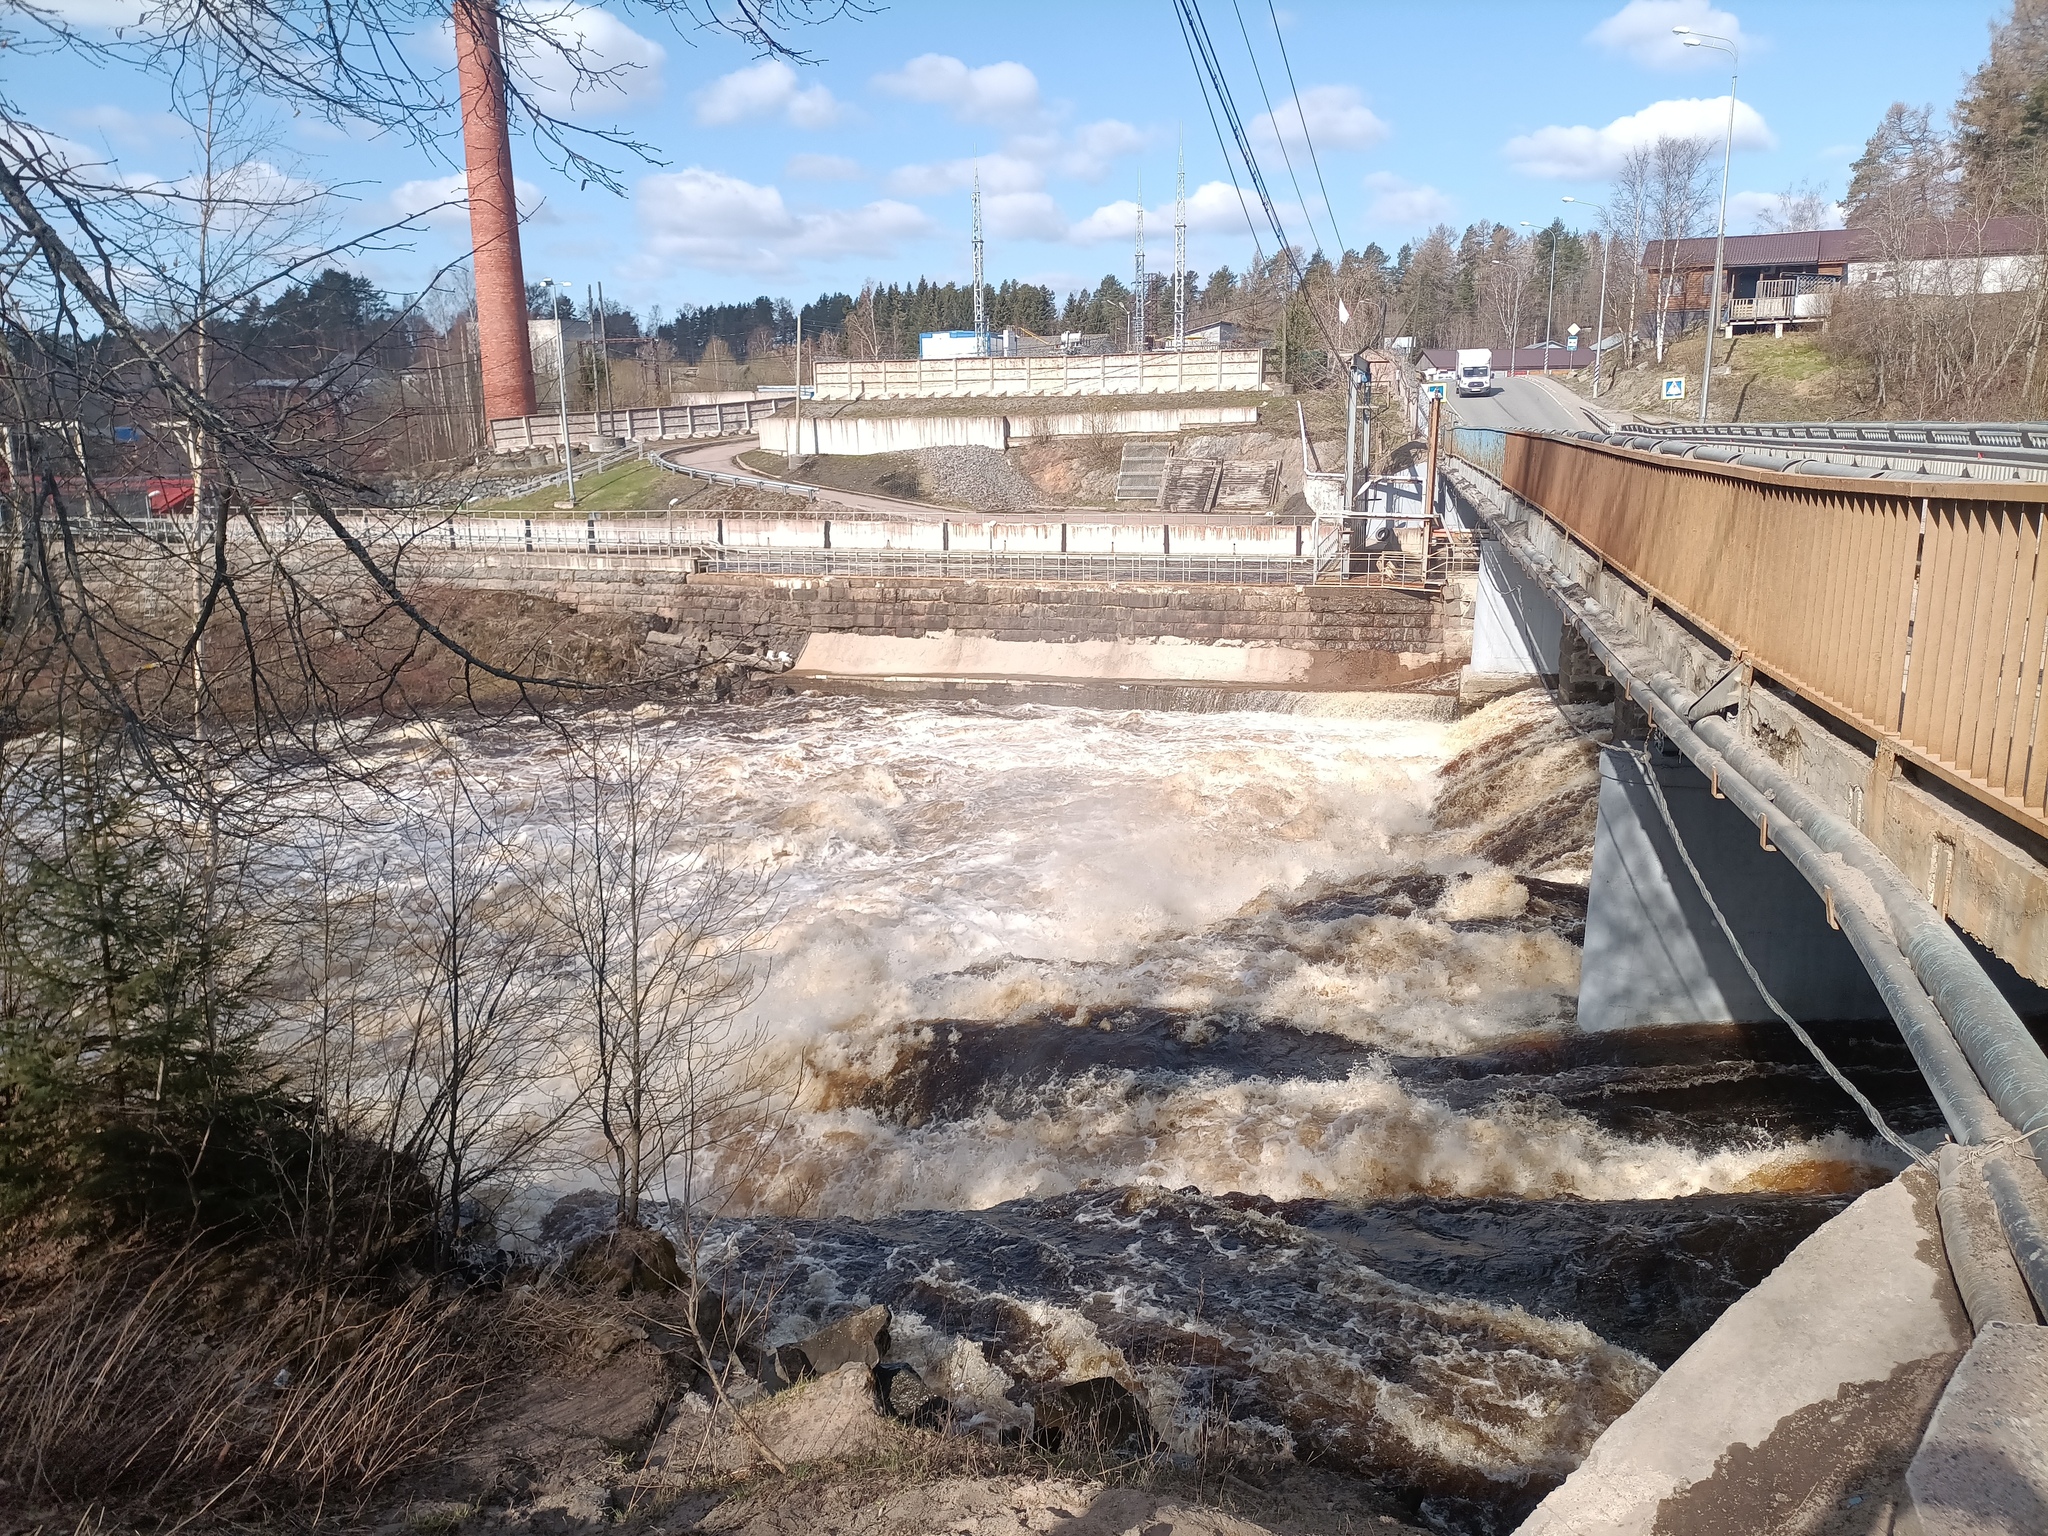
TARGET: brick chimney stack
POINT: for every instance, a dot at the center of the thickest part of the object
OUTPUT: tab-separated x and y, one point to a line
493	214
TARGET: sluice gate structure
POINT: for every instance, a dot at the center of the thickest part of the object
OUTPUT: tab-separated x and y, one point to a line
1826	797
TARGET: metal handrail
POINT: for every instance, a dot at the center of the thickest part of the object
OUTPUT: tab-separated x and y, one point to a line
747	482
2027	442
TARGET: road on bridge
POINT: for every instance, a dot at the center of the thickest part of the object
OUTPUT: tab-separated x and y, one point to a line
1525	403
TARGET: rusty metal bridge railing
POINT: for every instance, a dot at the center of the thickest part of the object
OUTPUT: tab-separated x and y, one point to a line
1917	613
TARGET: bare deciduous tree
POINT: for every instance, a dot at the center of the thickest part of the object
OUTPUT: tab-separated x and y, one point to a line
477	1078
665	928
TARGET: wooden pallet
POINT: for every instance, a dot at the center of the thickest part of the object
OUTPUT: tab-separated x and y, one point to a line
1141	472
1247	485
1190	485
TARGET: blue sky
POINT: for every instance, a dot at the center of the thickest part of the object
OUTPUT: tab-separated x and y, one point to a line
792	181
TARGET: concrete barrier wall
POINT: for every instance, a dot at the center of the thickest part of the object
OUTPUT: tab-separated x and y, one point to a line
1251	538
1172	418
882	434
895	434
665	423
1388	636
1128	373
951	654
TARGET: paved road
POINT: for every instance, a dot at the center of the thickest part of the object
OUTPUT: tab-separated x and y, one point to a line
723	456
1533	404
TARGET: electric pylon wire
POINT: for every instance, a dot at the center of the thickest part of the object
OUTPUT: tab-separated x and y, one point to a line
1329	210
1229	166
1210	64
1273	117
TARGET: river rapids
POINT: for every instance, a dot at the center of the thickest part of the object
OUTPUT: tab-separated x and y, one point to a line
1232	1056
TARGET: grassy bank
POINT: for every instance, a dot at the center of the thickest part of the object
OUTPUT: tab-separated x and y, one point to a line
641	485
1795	377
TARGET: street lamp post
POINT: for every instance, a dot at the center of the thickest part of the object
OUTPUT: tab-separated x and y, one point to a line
1694	39
1599	325
562	381
1550	306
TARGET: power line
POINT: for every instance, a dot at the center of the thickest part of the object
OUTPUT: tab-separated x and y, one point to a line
1229	166
1212	66
1329	211
1209	64
1274	118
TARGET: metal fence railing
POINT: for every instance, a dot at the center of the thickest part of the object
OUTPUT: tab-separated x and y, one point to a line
1991	438
1916	613
1230	570
797	545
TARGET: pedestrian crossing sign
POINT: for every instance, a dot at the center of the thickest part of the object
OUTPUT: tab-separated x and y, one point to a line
1435	390
1674	389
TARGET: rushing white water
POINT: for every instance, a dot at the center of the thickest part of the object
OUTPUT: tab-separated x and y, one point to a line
940	861
1074	995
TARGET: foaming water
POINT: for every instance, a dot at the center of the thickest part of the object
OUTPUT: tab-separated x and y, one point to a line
1025	877
1232	1056
1244	1335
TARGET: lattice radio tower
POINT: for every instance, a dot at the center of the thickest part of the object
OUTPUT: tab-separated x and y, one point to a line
980	308
1138	288
1180	249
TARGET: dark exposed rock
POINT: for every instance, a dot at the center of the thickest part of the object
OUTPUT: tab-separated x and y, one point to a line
577	1217
1098	1414
859	1339
626	1262
902	1394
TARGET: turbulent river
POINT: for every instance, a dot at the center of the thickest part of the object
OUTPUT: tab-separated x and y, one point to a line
1232	1056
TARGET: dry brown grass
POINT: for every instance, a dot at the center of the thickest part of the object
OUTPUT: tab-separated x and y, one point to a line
129	1392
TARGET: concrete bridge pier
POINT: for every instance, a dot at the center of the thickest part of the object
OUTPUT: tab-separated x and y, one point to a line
1655	955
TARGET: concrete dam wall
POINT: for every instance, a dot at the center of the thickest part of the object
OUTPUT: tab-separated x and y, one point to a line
1337	637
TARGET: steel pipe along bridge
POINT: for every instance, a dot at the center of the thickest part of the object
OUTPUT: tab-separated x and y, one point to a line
1994	451
1825	798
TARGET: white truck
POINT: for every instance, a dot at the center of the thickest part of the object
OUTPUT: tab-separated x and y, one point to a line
1475	370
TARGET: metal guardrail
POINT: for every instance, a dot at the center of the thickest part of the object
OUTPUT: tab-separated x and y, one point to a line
527	487
725	542
1983	437
748	482
1917	614
1228	570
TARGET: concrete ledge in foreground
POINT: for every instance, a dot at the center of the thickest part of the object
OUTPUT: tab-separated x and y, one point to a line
1797	1412
1983	1468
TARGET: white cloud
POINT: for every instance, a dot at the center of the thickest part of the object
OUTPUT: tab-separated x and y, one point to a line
1337	117
999	173
766	89
94	15
1212	207
549	39
706	219
443	201
992	93
1404	204
134	130
822	168
1026	161
1088	152
1024	216
1112	221
1591	154
1753	210
1642	30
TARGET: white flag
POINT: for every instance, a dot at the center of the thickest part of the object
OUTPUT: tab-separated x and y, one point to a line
1343	314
